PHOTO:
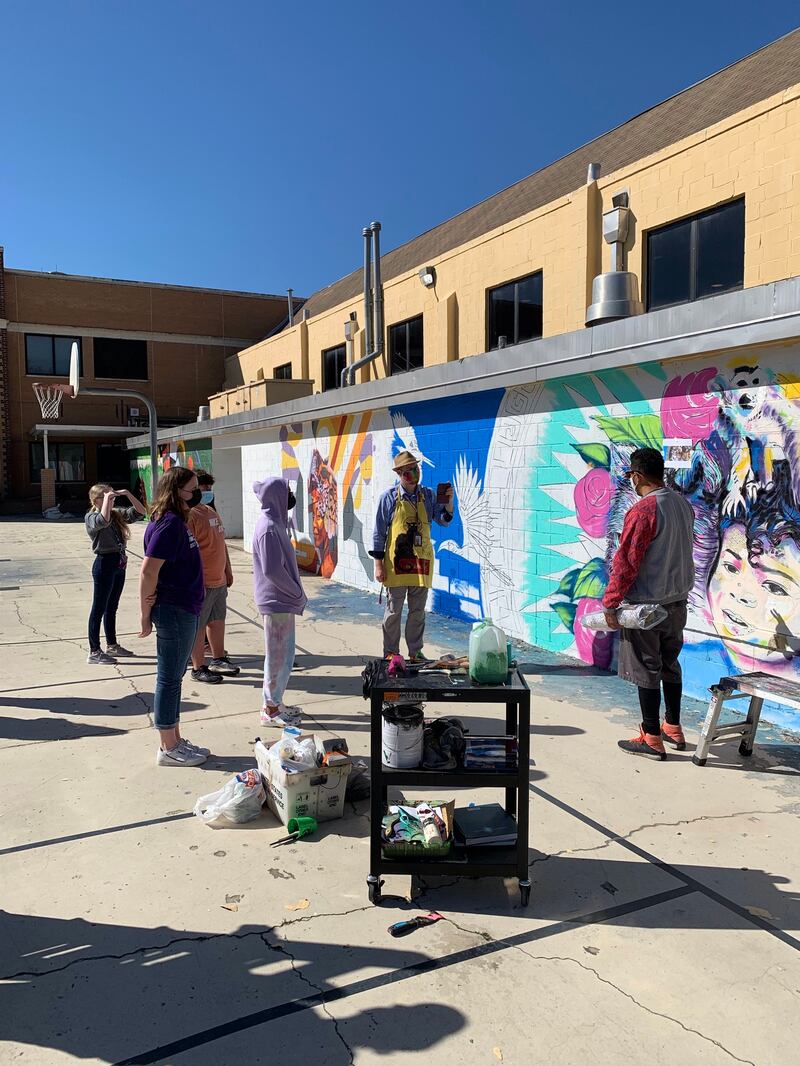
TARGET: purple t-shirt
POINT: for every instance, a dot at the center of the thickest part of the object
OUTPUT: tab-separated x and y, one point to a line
180	579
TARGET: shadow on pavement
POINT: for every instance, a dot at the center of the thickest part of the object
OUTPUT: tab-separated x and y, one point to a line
31	729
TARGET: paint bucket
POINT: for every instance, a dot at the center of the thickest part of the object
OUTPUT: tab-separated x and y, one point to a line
401	741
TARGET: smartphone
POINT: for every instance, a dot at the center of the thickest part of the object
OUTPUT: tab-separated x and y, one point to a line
441	491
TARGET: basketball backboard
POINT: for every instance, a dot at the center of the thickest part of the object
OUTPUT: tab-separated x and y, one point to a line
74	369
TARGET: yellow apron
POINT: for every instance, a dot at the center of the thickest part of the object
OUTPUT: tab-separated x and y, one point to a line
413	570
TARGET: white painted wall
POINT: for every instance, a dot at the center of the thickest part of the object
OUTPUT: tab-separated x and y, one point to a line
226	464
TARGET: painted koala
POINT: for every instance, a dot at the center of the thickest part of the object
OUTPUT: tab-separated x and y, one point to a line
757	425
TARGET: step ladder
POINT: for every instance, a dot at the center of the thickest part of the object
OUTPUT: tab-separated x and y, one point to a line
757	687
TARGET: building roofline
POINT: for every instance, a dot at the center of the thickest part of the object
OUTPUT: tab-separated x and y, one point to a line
151	284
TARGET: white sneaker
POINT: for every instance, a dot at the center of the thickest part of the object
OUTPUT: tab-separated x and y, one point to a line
194	747
283	714
99	658
179	756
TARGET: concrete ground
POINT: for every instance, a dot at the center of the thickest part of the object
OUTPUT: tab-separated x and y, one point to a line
663	925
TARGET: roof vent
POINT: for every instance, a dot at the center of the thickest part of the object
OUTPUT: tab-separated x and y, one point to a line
615	294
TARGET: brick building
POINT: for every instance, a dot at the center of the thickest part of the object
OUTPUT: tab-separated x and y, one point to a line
169	342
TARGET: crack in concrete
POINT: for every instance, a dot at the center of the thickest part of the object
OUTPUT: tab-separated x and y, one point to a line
633	999
791	809
281	949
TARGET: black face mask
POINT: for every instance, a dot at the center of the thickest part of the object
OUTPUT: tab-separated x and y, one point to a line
195	498
292	499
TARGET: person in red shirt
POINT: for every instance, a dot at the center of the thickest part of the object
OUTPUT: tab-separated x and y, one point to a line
653	564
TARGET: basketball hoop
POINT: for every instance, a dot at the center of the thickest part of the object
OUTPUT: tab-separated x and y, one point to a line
50	397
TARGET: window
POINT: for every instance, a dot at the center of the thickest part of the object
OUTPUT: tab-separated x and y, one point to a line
405	346
333	363
696	257
66	458
515	311
115	358
283	372
46	355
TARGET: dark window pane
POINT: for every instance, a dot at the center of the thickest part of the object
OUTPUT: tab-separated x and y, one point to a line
406	346
669	266
501	314
115	358
720	250
333	363
71	463
38	354
415	353
529	299
283	372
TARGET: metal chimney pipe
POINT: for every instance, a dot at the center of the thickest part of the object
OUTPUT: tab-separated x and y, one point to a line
592	173
377	288
290	295
367	235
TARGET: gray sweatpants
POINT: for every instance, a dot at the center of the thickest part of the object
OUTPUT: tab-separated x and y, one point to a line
415	622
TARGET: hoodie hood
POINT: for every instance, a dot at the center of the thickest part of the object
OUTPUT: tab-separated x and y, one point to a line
273	495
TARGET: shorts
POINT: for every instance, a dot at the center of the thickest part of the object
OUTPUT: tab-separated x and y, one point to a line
649	656
214	607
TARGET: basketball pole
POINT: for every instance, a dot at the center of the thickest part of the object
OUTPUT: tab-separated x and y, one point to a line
74	380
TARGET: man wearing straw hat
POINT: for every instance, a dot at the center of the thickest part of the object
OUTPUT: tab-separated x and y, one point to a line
403	551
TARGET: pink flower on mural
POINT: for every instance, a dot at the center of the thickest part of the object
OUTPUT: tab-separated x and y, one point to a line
688	407
593	647
592	501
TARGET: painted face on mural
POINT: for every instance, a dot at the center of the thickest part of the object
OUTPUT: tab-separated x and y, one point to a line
755	602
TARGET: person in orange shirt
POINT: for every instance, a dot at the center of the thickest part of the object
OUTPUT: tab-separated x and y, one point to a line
206	527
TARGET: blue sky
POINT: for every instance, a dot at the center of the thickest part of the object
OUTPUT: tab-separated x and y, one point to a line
244	145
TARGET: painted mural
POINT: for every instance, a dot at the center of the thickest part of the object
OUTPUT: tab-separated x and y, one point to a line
195	454
540	500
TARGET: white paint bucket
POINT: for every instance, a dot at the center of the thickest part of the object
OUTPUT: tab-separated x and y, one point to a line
401	742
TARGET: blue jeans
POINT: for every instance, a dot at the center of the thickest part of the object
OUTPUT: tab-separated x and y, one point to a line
176	630
109	581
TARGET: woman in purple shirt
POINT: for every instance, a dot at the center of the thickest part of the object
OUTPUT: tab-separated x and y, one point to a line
171	591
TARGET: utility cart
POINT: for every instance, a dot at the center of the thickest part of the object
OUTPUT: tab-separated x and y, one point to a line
482	861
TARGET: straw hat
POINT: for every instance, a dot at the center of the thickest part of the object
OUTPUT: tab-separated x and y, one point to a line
403	459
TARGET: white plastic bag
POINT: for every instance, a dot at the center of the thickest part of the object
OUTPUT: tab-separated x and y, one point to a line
292	753
239	800
629	616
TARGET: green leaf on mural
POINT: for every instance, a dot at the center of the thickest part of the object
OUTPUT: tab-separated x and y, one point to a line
592	580
566	612
567	584
641	431
594	454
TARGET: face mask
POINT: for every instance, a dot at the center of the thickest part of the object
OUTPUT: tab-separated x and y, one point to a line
194	499
207	497
292	499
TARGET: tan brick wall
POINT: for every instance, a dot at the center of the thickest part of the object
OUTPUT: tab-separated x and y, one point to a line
755	153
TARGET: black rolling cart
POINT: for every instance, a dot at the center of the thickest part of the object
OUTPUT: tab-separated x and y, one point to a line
467	862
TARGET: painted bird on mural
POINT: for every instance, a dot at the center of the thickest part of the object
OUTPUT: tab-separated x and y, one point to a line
477	521
408	437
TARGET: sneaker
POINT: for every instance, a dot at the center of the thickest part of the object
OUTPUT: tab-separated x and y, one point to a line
282	715
644	744
194	747
674	735
204	674
99	658
417	657
118	651
223	666
180	755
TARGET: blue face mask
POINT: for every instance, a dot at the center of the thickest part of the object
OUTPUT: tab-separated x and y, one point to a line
207	497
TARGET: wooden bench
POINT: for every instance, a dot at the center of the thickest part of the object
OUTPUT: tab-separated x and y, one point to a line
757	687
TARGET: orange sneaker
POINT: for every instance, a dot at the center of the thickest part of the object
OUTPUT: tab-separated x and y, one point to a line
644	744
673	734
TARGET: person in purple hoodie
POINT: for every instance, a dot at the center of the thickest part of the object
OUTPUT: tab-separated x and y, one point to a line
278	595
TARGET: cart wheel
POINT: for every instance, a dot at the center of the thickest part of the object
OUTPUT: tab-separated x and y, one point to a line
374	886
524	892
745	750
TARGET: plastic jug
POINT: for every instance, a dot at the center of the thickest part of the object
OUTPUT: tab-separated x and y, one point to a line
488	657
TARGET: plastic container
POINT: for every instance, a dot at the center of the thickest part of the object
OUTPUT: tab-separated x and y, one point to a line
317	792
401	739
488	657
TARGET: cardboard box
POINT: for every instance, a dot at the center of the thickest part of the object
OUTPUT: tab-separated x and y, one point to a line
318	792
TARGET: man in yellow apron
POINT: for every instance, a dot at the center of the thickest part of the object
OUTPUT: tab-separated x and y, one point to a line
403	551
